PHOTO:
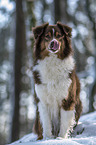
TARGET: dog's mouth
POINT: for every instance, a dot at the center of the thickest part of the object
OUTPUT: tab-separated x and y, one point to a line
54	46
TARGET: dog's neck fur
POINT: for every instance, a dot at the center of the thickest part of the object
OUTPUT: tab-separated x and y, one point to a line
53	68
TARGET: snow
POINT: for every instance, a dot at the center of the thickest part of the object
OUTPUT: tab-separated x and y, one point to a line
86	131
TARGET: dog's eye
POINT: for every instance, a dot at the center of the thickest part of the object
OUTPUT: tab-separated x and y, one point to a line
47	37
58	35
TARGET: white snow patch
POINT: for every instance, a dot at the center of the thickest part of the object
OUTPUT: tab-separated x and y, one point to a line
87	127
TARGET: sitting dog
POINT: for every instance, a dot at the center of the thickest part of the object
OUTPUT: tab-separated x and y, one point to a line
56	85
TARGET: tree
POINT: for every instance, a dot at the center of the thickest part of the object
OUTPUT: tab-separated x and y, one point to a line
20	44
57	10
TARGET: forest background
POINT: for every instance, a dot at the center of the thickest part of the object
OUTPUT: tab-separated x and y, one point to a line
17	17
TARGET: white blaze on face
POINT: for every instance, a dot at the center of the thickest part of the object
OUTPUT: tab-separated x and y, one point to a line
54	46
53	32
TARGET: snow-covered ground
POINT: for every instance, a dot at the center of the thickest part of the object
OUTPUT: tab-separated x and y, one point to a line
86	131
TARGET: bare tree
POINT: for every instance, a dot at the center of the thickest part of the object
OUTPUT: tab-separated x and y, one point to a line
57	10
20	44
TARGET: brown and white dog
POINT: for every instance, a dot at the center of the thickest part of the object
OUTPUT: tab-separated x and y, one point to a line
56	85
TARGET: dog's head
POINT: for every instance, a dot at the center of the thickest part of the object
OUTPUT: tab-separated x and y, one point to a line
52	39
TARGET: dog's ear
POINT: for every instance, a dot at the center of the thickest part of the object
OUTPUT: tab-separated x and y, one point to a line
37	31
65	29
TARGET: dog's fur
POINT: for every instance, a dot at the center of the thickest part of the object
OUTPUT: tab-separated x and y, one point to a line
56	84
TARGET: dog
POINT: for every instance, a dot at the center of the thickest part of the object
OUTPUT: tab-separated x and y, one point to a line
57	86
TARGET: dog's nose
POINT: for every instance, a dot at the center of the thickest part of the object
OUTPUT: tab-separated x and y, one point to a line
52	44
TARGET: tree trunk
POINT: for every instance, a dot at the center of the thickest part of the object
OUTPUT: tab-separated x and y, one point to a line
57	10
32	23
19	48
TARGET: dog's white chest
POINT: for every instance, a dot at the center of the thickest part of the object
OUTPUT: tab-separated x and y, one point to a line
54	75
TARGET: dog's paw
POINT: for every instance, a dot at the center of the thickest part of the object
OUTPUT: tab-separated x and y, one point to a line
40	137
48	137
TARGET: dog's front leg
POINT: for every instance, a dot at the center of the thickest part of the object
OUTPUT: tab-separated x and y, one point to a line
45	120
67	121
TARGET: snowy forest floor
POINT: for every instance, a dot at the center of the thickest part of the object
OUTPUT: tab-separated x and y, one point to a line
86	131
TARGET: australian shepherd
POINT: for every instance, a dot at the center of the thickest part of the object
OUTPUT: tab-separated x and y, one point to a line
57	86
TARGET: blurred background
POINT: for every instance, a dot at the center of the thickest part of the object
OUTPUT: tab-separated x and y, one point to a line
17	17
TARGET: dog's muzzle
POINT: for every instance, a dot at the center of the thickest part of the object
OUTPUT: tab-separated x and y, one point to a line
54	46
